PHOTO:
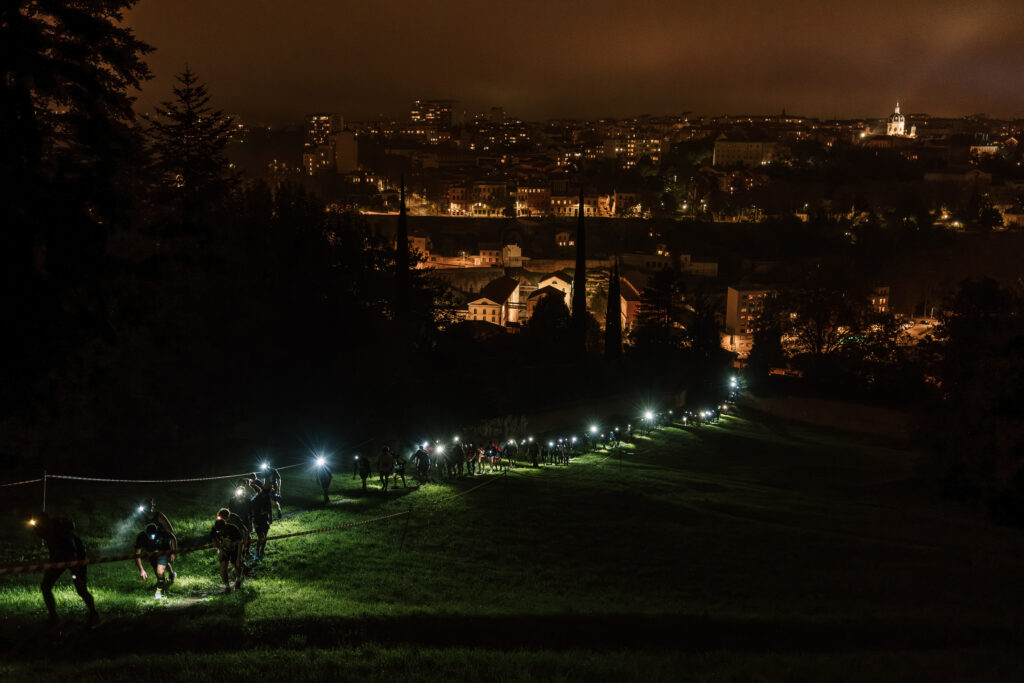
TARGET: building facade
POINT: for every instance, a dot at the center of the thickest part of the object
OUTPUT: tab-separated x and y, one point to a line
560	281
497	303
346	152
318	150
744	152
439	114
743	306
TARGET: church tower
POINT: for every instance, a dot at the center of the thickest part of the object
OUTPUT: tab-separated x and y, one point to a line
897	124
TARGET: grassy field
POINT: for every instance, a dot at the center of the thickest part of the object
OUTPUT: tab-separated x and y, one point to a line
751	550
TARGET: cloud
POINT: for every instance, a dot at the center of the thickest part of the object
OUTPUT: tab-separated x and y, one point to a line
278	60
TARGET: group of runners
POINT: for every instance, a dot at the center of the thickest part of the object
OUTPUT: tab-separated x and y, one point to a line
241	527
239	534
247	515
439	462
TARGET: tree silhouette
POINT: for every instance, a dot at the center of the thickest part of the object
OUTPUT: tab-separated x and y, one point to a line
67	165
977	428
769	326
65	115
402	256
700	315
659	320
578	337
827	309
613	317
989	217
547	330
188	138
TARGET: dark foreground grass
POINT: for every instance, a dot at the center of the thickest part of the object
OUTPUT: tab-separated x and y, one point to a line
376	663
747	551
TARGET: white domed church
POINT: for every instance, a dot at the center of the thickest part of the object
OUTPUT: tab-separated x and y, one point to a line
897	125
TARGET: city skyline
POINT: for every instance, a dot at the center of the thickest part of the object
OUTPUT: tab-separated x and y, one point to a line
568	60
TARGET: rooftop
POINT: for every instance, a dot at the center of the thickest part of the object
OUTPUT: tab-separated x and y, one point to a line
560	274
544	291
499	290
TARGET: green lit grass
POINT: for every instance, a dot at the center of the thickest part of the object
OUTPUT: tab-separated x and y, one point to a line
700	550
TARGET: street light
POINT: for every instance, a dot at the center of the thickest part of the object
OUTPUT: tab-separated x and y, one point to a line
321	461
648	415
593	429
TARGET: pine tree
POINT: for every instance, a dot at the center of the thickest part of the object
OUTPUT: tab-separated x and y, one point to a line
65	115
578	338
613	317
188	140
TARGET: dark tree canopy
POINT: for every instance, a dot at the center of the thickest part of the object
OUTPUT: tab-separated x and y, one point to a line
828	309
578	339
548	329
978	427
700	315
65	113
68	158
613	317
767	351
660	318
402	256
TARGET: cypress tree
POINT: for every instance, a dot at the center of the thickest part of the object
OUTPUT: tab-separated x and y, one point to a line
578	337
613	318
402	283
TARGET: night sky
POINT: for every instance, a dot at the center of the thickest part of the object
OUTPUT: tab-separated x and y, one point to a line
273	61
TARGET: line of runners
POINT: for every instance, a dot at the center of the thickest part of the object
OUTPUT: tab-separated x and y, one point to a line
240	530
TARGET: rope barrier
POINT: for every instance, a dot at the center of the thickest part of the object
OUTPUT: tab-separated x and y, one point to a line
143	481
30	568
105	480
456	495
21	483
43	566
